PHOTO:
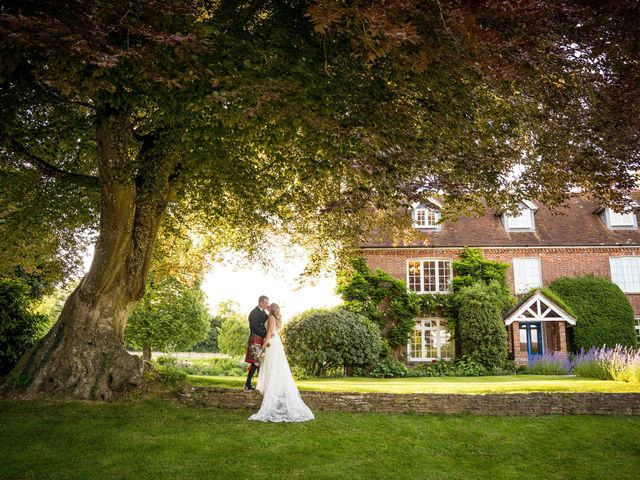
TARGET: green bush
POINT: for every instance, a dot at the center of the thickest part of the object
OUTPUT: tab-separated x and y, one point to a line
217	366
482	334
19	327
472	267
389	368
233	336
172	377
460	367
321	340
603	313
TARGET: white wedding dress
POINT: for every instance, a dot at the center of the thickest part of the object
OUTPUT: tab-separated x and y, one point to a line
281	401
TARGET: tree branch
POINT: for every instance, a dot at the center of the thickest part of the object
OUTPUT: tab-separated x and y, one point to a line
51	170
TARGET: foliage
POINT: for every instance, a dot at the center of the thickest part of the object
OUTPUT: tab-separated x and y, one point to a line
210	343
482	334
460	367
389	368
472	267
19	326
217	366
239	118
319	340
233	335
171	316
603	313
550	364
225	310
619	363
383	299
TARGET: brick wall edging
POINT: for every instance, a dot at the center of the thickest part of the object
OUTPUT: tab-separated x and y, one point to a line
516	404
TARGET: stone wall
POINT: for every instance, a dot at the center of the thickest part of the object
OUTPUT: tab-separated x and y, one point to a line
487	404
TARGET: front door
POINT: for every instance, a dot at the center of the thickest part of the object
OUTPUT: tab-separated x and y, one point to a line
531	339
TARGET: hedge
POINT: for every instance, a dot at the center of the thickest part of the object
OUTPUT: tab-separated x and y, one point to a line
603	313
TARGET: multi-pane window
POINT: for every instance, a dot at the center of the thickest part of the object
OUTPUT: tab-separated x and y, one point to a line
526	274
522	221
638	328
625	272
425	217
430	341
625	220
429	276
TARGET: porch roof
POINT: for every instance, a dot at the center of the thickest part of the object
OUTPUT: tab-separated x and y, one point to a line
538	308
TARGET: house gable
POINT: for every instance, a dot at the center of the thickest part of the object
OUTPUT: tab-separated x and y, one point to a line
538	308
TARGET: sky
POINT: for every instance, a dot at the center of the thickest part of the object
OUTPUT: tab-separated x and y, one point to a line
245	285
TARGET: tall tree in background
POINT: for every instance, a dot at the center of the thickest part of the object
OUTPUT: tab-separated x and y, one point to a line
299	117
170	317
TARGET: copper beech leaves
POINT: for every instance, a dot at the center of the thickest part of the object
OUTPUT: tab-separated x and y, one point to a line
303	117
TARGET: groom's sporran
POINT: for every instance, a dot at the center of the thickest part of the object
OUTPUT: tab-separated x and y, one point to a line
257	325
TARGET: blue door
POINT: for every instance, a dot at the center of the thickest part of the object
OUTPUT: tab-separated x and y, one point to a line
531	339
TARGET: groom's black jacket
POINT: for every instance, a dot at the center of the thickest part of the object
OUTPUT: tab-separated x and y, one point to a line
257	322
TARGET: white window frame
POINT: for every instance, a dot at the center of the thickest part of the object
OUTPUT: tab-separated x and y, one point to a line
441	334
615	220
637	326
425	223
437	276
624	270
510	224
525	263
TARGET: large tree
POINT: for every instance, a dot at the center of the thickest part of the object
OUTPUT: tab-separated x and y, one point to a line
297	117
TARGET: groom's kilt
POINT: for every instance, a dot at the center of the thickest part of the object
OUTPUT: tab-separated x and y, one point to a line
253	340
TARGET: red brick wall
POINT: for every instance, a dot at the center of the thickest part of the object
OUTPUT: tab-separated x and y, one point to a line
555	262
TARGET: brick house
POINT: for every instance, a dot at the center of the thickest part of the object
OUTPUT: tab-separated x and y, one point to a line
540	245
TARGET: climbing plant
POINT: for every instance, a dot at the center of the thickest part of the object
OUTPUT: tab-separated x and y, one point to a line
382	299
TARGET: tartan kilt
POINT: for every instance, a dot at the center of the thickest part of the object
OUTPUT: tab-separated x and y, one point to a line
253	340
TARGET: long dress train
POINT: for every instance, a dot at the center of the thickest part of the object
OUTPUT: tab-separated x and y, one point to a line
281	401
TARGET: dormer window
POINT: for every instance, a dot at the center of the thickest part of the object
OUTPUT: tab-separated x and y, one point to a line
523	221
616	220
426	216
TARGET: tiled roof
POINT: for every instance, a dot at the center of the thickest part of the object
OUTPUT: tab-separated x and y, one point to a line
574	225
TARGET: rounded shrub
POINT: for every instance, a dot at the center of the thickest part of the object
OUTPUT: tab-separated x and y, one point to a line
322	340
481	330
603	313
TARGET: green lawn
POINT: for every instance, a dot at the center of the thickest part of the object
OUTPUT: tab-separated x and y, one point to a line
497	384
155	439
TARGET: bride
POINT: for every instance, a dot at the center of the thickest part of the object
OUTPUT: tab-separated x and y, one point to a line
281	401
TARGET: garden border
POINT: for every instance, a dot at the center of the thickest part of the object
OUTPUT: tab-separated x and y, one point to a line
512	404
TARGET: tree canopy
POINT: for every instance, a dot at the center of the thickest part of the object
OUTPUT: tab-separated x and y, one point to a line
237	119
300	115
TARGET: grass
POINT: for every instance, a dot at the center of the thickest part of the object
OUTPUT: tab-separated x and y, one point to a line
469	385
155	439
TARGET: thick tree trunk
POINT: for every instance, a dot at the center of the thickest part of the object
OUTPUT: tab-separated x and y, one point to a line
83	356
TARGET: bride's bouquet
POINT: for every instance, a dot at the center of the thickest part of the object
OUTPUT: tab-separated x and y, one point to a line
257	352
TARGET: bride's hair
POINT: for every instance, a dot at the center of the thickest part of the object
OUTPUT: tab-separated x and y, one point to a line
275	311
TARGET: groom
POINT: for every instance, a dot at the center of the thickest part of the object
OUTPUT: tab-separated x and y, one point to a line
257	325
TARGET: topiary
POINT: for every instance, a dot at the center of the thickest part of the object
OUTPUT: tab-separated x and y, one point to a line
481	330
320	340
603	313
